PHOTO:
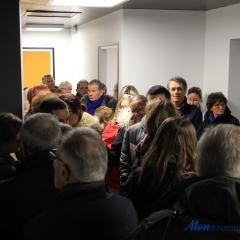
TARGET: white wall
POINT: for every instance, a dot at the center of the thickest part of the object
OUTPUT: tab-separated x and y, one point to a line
85	44
222	25
160	44
61	42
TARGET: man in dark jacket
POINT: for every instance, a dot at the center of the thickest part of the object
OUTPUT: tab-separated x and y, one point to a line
177	87
205	207
32	191
97	98
83	209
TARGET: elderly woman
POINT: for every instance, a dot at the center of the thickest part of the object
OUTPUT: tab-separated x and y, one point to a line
66	87
217	111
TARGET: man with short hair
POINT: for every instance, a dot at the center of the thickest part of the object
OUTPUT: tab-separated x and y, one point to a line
83	209
133	135
97	98
82	88
49	81
177	87
32	191
207	205
57	107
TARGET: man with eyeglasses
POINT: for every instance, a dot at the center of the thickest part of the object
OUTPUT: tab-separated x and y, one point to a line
83	209
82	88
32	191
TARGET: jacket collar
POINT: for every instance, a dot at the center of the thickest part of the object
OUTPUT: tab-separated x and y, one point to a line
81	191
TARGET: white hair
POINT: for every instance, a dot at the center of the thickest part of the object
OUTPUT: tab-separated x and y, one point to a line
85	154
64	83
218	152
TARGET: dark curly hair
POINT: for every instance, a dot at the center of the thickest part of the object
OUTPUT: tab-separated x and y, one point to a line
214	98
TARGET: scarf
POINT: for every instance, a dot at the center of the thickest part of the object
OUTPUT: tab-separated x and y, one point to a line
93	105
212	119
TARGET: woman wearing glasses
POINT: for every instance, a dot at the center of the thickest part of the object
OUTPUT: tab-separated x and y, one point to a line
218	111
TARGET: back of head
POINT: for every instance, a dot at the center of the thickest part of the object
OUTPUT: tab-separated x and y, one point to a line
96	82
128	89
175	139
157	111
33	91
72	101
218	152
36	101
85	154
10	126
103	113
158	89
50	104
179	80
41	132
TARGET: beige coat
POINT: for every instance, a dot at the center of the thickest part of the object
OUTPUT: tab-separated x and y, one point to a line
88	120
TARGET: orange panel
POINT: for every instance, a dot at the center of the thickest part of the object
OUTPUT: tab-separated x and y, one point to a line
35	65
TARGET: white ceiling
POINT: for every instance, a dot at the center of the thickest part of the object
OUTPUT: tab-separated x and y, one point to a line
90	13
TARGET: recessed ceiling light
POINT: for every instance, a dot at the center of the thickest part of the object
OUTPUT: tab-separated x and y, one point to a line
86	3
44	27
45	13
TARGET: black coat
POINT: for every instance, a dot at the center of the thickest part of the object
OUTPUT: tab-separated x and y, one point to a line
226	118
30	193
192	114
84	211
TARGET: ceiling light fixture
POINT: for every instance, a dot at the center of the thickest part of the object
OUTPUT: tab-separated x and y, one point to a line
86	3
44	27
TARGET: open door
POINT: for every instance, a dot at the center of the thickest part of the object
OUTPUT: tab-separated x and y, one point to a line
108	65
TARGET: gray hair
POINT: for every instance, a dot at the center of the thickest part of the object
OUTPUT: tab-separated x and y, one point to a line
64	83
81	81
218	152
85	154
180	80
41	132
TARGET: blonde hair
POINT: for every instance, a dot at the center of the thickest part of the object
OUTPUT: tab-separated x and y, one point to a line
174	139
118	107
157	111
36	101
103	113
128	89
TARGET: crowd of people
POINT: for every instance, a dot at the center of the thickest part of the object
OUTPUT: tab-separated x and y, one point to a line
91	165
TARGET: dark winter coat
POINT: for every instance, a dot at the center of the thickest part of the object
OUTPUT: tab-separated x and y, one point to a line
29	194
84	211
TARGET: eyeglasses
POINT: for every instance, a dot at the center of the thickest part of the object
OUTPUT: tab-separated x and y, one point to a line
65	89
85	88
220	105
53	155
137	110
